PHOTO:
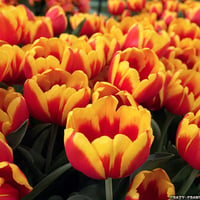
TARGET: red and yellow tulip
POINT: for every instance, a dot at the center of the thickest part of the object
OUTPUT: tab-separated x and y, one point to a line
15	74
116	7
40	26
182	92
102	141
151	185
51	95
188	139
13	110
139	72
92	24
4	62
136	5
5	149
102	89
43	54
13	183
58	19
12	22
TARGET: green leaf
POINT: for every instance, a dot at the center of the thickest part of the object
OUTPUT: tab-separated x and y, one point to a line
77	31
155	160
122	188
157	135
94	191
182	174
14	138
55	197
25	160
79	197
48	180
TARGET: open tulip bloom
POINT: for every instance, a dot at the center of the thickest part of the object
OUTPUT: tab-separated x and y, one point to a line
102	141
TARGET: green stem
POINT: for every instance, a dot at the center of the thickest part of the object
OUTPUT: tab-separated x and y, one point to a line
168	121
187	184
99	7
52	140
44	183
108	188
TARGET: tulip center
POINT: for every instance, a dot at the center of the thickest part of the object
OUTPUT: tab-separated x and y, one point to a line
106	128
150	192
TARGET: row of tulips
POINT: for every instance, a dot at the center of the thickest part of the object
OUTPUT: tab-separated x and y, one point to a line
103	88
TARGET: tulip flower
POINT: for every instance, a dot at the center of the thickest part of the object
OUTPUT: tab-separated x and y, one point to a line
154	6
40	26
168	16
58	19
11	22
92	24
139	72
51	95
13	183
188	139
5	149
15	74
193	12
43	54
83	6
141	37
171	5
70	6
116	7
102	141
82	57
183	28
4	62
151	185
136	5
106	42
182	91
13	110
102	89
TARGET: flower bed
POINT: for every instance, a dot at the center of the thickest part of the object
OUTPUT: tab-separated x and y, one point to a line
99	104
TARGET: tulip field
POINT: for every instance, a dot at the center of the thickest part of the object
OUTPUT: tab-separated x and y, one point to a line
99	99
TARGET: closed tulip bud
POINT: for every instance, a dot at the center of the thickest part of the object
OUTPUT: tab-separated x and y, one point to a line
58	19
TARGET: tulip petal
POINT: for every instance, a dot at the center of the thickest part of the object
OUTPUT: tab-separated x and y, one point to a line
87	160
